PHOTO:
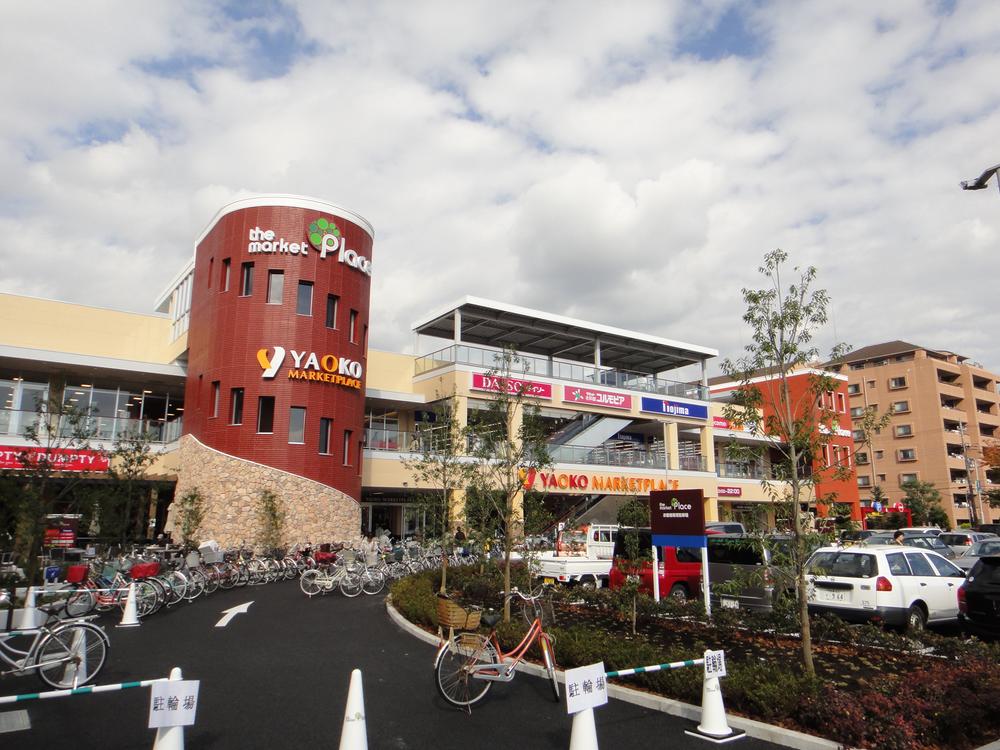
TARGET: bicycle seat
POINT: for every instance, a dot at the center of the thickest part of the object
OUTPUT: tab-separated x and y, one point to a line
490	618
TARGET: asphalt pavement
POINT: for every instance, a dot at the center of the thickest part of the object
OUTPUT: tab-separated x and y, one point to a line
277	677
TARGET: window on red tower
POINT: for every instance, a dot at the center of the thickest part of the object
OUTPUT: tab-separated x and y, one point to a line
332	301
275	287
353	327
297	424
236	406
215	397
224	281
265	414
246	279
304	300
325	430
347	447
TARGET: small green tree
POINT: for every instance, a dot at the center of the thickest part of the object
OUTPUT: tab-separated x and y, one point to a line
632	516
442	465
793	427
508	439
130	458
190	515
924	502
271	518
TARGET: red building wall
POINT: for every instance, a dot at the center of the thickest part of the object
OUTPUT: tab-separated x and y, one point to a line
232	337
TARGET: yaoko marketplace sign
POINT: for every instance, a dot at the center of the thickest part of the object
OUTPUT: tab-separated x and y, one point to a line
610	484
61	459
320	368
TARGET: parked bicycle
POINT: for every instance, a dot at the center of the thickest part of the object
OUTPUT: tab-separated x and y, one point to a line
65	655
326	579
468	664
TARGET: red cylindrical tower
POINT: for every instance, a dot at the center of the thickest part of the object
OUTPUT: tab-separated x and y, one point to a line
278	336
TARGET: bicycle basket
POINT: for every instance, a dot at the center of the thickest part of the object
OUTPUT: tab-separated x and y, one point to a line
451	615
77	573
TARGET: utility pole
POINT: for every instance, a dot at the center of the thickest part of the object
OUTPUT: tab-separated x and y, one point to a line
970	477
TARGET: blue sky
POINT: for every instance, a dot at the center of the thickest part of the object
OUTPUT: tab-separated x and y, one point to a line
629	165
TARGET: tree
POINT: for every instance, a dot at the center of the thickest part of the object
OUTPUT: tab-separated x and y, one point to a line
924	502
508	440
271	518
190	514
443	466
130	458
57	427
793	428
632	516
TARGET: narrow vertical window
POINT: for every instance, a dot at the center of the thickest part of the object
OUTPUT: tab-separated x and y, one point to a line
353	327
246	279
215	398
265	414
325	428
275	287
236	406
304	300
226	265
331	310
211	270
347	447
297	424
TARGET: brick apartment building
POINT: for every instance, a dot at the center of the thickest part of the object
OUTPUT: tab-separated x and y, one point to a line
943	410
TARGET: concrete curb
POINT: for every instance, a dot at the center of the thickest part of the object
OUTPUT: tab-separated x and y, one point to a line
758	729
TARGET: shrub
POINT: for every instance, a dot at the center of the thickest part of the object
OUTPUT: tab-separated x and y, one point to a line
415	597
766	690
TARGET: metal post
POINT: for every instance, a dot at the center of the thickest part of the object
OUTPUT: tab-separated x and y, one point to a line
705	585
656	574
973	514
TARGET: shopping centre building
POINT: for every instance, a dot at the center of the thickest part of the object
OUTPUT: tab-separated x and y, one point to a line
254	374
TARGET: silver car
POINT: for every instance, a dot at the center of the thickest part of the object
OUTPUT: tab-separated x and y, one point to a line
967	558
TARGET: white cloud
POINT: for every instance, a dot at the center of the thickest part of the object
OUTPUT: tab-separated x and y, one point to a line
564	156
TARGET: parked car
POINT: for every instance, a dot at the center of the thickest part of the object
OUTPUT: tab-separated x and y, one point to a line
748	564
932	530
967	559
979	598
961	540
680	567
913	539
724	527
850	537
989	527
901	586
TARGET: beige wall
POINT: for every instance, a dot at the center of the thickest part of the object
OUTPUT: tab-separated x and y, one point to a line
91	331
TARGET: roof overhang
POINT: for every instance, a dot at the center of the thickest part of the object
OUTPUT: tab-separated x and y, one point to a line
496	324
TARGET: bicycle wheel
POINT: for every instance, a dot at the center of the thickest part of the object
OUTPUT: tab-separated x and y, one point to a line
350	584
227	576
372	581
454	665
177	587
81	602
71	655
309	583
211	576
198	584
549	657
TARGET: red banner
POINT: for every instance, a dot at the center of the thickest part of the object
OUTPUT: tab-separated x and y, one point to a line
720	424
62	459
730	492
591	397
513	385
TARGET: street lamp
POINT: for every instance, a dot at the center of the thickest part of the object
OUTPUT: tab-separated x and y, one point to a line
980	182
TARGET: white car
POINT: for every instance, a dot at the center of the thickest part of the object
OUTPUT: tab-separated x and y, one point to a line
901	586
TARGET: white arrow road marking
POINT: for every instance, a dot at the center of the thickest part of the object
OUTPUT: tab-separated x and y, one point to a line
229	614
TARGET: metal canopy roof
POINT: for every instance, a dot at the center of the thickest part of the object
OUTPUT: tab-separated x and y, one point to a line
495	324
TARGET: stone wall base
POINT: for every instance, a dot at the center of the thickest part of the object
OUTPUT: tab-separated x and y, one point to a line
231	488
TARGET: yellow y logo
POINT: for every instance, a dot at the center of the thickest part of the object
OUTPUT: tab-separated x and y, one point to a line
270	366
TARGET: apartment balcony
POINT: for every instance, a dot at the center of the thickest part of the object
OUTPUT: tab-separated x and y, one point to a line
14	423
951	390
527	365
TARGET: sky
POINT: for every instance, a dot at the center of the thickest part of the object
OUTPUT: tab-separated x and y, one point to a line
623	163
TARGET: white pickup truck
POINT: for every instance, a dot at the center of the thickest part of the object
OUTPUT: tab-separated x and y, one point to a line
582	557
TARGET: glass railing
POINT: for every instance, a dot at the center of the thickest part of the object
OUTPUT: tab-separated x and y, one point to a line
527	365
602	456
13	422
731	470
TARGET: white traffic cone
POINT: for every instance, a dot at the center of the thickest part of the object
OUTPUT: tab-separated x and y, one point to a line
355	733
170	738
31	617
130	616
584	735
714	727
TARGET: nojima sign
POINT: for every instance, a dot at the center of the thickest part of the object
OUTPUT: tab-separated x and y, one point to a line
677	518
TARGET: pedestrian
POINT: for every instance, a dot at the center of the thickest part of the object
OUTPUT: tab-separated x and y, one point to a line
897	538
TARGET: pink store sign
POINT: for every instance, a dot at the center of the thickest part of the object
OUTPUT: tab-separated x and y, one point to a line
513	386
591	397
730	492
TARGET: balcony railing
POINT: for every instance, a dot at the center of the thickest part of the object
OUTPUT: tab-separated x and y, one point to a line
527	365
731	470
14	422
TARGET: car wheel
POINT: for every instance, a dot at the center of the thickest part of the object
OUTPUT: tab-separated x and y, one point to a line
588	583
679	592
916	619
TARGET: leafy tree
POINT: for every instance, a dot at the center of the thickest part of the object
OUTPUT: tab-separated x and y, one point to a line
130	458
993	498
632	516
271	518
793	429
56	427
443	466
924	502
508	439
190	515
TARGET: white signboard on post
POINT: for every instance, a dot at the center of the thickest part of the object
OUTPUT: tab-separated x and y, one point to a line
173	703
586	687
715	664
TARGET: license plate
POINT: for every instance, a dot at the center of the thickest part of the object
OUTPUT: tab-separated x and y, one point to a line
833	596
729	603
548	580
